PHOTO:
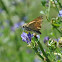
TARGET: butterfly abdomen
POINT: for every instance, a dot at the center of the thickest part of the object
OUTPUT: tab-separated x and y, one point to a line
29	29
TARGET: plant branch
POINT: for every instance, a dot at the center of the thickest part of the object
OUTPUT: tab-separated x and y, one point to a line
43	51
38	53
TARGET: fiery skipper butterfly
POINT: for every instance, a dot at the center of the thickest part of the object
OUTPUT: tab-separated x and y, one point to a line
34	25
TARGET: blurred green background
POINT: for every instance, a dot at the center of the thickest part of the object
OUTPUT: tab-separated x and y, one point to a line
13	14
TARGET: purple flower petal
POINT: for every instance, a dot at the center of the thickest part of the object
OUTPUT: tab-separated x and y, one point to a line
21	23
57	39
1	10
38	36
60	13
26	37
46	39
29	36
12	28
17	25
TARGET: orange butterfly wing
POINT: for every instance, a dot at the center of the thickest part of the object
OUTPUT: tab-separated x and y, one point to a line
35	24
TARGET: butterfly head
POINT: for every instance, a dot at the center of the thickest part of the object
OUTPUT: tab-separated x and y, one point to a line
25	25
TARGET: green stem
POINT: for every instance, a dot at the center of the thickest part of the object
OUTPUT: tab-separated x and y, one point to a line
38	53
7	11
56	6
59	4
57	30
4	7
43	51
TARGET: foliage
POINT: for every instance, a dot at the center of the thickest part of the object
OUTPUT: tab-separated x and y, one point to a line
47	46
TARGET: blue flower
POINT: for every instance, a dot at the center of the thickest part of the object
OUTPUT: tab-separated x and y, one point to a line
26	37
60	13
1	10
37	60
46	39
57	40
29	36
38	36
17	25
1	34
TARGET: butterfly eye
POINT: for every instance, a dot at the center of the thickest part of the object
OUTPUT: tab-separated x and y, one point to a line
25	25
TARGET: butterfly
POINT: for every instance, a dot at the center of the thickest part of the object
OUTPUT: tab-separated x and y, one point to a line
34	25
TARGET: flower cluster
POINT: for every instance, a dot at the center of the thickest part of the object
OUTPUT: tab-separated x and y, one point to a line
17	25
26	37
53	42
46	39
